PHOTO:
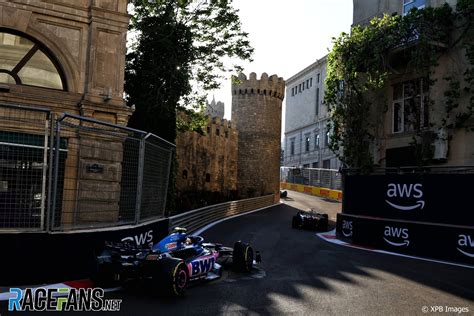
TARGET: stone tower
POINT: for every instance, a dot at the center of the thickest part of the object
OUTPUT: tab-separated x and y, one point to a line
256	113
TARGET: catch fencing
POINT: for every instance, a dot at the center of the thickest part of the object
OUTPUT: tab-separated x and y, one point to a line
77	173
24	167
317	177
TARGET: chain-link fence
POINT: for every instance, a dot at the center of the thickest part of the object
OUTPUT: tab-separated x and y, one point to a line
318	177
108	175
96	175
23	166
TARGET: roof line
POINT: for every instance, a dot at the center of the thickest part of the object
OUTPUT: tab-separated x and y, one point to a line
307	69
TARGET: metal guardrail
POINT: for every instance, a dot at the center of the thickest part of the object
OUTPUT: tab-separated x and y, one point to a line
198	218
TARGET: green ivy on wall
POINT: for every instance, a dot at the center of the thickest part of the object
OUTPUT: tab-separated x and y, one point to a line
361	63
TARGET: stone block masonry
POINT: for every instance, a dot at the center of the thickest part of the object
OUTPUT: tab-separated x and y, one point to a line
256	113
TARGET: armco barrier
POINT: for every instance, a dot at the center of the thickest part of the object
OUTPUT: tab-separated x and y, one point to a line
316	191
196	219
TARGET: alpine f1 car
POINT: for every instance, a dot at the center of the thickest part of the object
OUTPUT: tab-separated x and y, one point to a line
310	220
172	264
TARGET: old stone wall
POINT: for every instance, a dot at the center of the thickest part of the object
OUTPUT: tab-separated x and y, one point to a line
256	113
207	163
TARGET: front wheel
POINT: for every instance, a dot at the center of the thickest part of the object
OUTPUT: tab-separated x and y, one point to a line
170	277
242	257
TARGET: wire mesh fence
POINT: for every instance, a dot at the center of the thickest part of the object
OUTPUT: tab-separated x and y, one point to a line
76	172
23	166
109	176
318	177
156	166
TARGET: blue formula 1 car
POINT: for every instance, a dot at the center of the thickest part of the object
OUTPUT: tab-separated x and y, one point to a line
172	264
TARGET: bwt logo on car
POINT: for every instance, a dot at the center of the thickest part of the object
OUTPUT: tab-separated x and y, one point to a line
202	265
141	239
347	228
399	233
466	241
406	191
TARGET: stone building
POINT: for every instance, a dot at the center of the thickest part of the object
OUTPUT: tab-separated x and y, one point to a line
392	146
239	158
207	164
62	56
306	143
256	114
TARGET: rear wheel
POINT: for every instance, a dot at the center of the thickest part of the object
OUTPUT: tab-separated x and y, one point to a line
296	222
242	257
324	221
170	277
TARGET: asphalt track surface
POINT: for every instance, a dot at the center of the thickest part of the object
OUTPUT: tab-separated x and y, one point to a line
304	275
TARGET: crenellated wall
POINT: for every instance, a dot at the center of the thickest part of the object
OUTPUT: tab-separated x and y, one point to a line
207	164
272	86
256	113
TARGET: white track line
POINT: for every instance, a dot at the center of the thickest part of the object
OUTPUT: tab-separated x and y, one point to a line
343	243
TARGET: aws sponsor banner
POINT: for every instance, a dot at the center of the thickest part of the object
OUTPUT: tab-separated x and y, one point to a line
435	198
448	243
65	256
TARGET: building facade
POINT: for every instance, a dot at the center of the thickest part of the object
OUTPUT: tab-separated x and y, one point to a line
394	137
66	56
59	57
306	143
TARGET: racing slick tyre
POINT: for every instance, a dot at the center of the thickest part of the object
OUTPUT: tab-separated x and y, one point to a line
242	257
324	223
170	277
296	222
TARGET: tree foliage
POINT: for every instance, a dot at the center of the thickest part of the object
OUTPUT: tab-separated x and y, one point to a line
360	65
177	57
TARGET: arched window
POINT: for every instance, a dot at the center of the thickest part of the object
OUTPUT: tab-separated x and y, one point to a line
26	62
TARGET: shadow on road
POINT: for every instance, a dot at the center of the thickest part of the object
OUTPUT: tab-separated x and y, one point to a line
299	266
306	275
